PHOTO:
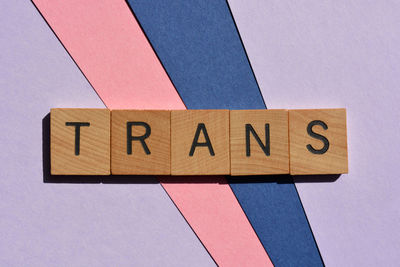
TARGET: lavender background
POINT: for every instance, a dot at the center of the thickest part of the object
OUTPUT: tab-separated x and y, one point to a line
304	54
321	54
50	224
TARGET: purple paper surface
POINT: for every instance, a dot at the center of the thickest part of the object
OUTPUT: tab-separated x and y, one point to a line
69	224
338	54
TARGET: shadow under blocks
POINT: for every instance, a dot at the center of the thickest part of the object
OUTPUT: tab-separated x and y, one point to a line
146	179
83	179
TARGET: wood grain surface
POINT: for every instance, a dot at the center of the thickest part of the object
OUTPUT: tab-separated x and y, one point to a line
255	161
184	124
154	161
94	142
310	153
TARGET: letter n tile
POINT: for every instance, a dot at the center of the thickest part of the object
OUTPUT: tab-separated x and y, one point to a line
259	142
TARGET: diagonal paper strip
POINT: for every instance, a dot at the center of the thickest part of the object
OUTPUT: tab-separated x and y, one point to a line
198	44
112	52
108	45
73	224
345	54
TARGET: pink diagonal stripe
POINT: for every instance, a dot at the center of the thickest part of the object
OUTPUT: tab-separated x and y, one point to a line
108	45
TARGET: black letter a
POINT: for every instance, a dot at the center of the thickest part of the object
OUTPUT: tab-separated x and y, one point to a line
207	143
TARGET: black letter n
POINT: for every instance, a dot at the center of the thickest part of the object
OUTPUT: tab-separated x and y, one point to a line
266	147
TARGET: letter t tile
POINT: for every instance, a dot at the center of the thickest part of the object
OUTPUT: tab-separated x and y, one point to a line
80	141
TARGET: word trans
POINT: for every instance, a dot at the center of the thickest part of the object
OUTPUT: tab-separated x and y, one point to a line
198	142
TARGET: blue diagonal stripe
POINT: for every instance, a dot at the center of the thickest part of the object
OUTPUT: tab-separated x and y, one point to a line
200	48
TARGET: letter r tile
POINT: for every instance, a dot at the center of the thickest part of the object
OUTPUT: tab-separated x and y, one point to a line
259	142
80	141
140	142
318	141
200	142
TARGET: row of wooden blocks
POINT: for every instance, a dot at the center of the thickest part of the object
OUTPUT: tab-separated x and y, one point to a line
198	142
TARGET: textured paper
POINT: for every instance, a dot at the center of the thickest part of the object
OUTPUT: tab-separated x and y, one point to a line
112	52
69	224
338	54
128	66
198	44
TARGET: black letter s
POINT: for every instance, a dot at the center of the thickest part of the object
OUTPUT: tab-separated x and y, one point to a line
317	136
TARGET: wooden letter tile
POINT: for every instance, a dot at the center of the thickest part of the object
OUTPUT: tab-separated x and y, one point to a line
140	142
259	142
318	141
80	141
200	142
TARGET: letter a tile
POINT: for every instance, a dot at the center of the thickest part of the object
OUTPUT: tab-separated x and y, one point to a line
259	142
318	141
140	142
80	141
200	142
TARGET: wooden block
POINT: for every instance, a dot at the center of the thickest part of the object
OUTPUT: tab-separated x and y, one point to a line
200	142
318	141
140	142
80	141
259	142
